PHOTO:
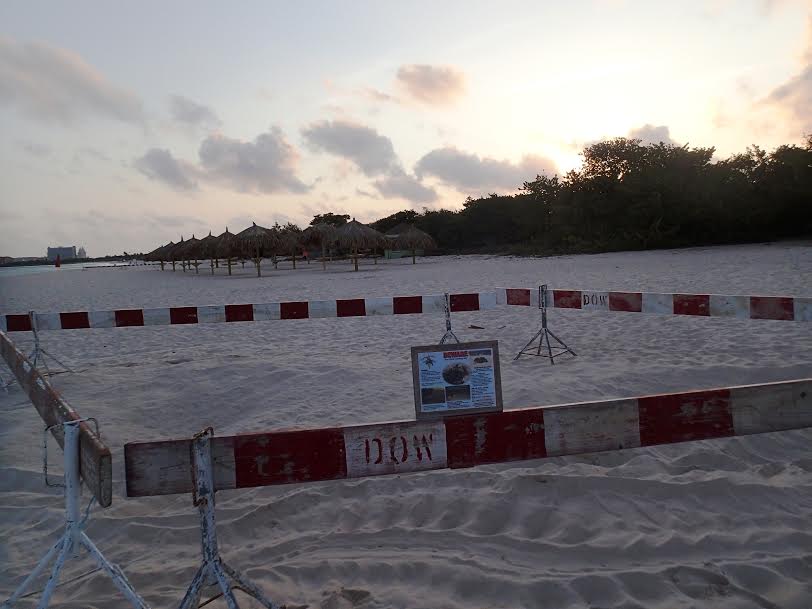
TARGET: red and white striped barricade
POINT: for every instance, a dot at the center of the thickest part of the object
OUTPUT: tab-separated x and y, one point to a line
86	459
206	464
314	309
784	308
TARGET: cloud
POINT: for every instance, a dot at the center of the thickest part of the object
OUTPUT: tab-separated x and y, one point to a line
795	95
650	134
770	6
34	148
470	173
266	165
174	221
161	166
373	155
188	112
93	153
376	95
371	152
400	184
54	84
364	193
433	85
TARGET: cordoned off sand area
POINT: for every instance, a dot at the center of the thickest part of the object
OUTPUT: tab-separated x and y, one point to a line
718	523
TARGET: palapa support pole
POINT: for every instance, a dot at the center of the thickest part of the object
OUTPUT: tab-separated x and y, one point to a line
74	536
544	335
39	353
213	569
449	333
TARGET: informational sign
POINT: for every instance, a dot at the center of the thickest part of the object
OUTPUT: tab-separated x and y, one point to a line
456	379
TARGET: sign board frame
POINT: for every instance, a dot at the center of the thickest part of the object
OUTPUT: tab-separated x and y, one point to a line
497	378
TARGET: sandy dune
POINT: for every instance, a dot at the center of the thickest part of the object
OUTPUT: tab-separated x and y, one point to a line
721	524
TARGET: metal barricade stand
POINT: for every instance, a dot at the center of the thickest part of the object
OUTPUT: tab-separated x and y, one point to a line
213	570
449	333
39	354
74	535
543	336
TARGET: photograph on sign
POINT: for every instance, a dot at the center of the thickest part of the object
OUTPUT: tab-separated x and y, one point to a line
456	379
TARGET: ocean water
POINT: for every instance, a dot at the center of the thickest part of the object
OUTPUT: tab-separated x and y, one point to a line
14	271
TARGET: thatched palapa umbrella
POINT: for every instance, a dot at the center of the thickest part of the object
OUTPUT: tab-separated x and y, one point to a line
189	252
414	239
152	256
157	254
207	249
321	234
258	242
163	253
228	247
173	252
354	236
290	238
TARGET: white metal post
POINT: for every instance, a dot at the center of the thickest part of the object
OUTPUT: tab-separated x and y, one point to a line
213	569
74	535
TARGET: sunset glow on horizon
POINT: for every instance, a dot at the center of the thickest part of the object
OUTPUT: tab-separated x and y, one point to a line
129	126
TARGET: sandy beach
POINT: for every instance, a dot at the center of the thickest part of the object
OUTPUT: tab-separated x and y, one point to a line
713	524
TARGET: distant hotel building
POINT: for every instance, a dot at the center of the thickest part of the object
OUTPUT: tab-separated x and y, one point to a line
64	253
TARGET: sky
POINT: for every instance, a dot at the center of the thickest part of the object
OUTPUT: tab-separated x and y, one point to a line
127	125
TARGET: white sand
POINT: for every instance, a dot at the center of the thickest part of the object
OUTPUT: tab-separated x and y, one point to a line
722	524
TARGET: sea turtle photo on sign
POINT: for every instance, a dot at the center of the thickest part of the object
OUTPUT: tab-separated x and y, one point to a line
456	379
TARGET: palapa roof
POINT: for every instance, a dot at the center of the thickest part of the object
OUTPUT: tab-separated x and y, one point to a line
320	233
415	239
157	253
228	246
289	240
355	235
207	247
395	231
187	249
172	252
258	238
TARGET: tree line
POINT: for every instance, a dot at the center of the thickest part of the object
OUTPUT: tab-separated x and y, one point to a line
629	196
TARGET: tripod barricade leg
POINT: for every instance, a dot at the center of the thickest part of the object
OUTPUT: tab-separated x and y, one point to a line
213	568
74	535
449	333
544	335
39	354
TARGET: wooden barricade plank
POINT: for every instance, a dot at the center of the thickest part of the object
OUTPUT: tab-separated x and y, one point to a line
95	462
282	457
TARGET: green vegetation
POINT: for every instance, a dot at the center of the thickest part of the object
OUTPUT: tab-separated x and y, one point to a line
629	196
